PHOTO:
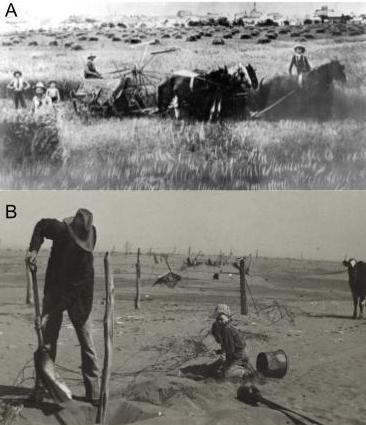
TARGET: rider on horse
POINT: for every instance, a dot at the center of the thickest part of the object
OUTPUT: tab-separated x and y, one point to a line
300	62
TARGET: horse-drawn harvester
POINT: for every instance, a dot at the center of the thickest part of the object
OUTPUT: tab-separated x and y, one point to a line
129	90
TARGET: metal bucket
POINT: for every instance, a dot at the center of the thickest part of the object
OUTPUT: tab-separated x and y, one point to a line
273	364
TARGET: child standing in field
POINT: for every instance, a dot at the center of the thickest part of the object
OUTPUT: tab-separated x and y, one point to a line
18	85
53	92
300	62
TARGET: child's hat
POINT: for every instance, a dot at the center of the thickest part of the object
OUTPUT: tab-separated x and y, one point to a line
299	47
222	309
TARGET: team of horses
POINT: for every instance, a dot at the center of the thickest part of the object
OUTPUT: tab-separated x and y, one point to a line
236	93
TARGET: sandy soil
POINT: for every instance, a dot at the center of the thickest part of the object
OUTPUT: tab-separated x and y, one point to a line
313	325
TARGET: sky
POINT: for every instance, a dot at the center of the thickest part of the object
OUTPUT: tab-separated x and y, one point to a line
320	224
42	9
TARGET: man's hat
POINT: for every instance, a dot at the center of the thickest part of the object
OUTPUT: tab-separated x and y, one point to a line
91	56
84	235
52	81
300	47
17	72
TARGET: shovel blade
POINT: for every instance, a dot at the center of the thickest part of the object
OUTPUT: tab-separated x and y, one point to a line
46	371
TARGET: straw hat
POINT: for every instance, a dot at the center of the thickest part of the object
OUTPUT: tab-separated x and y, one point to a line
82	232
300	47
40	87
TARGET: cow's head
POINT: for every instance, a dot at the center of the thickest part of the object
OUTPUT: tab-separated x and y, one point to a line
351	267
349	263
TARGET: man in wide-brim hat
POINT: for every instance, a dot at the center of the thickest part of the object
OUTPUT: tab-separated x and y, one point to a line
18	85
90	71
300	61
69	286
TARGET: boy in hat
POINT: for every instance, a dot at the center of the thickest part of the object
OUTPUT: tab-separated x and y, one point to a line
18	85
69	285
53	92
300	62
90	71
235	365
41	102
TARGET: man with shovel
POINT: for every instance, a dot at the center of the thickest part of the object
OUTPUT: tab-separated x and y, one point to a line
69	285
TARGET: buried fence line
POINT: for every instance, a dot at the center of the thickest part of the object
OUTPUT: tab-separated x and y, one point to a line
273	312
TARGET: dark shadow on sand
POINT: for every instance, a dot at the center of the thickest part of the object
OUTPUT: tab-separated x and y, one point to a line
203	371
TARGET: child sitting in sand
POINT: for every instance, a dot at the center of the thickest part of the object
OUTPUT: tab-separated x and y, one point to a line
235	365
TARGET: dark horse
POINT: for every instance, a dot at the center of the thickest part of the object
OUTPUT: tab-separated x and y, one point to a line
207	95
312	98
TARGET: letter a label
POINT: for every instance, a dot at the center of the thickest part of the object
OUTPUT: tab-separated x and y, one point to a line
11	11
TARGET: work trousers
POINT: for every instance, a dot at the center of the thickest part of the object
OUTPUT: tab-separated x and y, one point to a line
89	361
19	99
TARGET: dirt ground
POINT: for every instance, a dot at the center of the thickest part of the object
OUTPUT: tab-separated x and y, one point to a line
311	323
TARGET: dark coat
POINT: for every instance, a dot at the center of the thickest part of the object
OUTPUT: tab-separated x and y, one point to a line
231	342
90	71
69	283
301	64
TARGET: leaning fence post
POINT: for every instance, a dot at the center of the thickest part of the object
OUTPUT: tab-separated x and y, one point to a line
243	293
108	342
138	277
29	297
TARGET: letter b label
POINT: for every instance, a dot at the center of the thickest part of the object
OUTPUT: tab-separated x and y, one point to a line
11	211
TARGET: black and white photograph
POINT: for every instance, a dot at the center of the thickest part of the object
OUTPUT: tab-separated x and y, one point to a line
182	199
182	95
196	308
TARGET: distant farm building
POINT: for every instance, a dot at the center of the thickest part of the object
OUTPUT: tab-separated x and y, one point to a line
251	17
255	16
330	15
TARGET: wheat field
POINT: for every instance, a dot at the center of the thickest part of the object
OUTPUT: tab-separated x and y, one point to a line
67	151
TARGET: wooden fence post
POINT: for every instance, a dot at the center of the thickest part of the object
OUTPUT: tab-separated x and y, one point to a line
29	297
138	278
108	342
243	293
